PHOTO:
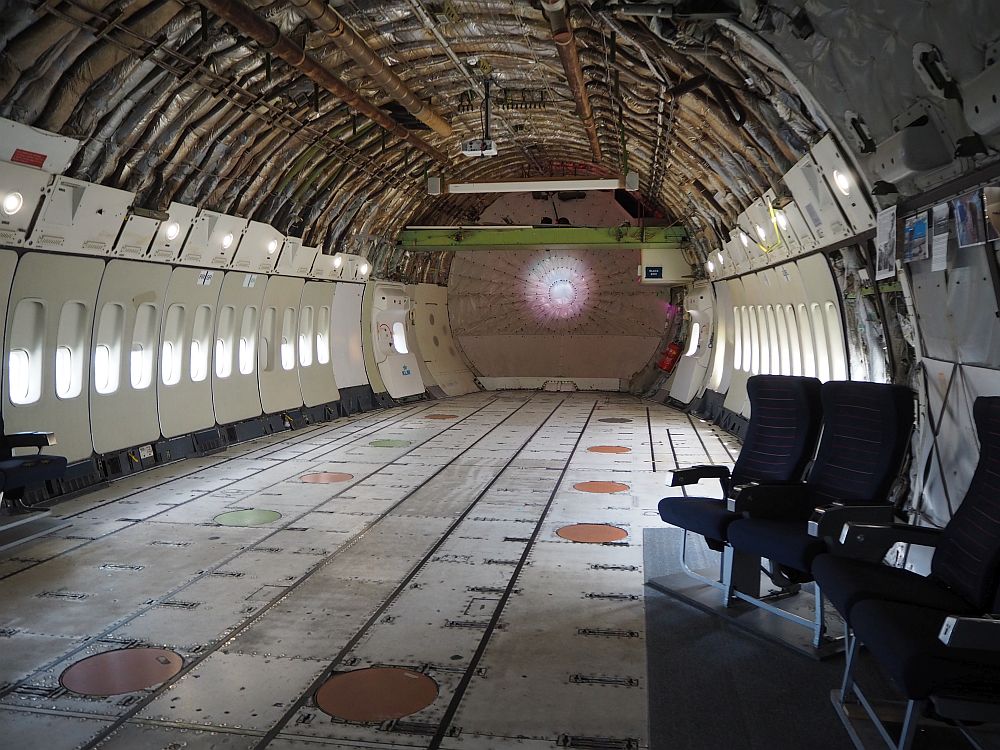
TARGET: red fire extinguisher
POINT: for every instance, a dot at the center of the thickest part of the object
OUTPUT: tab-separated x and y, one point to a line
669	357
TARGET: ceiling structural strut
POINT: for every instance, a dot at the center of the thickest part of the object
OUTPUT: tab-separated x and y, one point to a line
349	41
270	38
562	35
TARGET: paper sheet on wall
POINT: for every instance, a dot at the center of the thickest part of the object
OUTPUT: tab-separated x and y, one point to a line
939	243
885	244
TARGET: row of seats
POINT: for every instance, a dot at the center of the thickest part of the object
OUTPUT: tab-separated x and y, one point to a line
833	522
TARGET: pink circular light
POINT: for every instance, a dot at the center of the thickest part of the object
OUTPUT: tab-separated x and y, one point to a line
557	288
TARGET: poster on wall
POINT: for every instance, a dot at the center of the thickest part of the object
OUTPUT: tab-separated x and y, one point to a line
915	238
991	201
968	211
885	244
939	254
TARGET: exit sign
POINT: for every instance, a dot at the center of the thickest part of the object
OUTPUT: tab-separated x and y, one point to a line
654	272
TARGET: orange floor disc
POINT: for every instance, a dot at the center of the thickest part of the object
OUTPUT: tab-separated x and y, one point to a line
442	416
123	670
592	533
600	487
609	449
376	694
327	477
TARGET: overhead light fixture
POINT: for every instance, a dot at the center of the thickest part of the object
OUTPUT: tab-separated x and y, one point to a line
710	266
630	181
760	232
779	216
171	230
744	239
12	203
721	258
272	246
364	269
338	261
227	240
842	181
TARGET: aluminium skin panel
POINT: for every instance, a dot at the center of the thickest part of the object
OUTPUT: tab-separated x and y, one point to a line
345	336
439	350
692	369
319	385
415	343
277	368
396	362
237	395
186	405
66	287
131	285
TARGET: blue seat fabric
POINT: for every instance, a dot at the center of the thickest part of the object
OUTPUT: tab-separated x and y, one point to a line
785	542
23	472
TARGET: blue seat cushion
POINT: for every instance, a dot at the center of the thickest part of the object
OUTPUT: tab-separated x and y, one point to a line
785	542
903	638
703	515
29	470
846	581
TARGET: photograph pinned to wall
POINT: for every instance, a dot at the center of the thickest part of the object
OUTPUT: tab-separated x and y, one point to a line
885	244
991	202
939	245
968	210
915	238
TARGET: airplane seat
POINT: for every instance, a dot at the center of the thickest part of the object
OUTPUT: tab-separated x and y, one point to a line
785	414
20	472
934	636
866	431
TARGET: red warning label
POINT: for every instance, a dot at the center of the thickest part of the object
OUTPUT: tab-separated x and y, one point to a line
31	158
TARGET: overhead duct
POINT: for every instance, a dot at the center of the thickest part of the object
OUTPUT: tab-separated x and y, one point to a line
269	37
562	35
346	38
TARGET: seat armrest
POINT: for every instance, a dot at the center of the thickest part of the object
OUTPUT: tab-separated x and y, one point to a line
981	633
828	520
694	474
775	501
872	541
37	440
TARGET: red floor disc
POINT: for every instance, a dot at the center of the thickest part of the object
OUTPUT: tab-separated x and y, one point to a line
326	477
609	449
124	670
376	694
592	533
600	487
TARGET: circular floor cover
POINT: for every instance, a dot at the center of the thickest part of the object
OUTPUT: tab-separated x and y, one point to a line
327	477
592	533
600	487
121	671
376	694
442	416
253	517
609	449
389	443
615	420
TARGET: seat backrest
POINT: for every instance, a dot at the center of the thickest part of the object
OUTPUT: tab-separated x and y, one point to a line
785	414
967	558
866	429
5	449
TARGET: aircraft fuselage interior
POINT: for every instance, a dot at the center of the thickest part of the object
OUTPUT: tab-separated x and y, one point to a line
499	374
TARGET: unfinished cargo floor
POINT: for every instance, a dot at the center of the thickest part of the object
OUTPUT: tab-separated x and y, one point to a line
422	537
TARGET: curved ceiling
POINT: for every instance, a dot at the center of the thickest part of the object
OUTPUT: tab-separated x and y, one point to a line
174	103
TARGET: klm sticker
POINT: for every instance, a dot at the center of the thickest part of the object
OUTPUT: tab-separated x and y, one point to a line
406	370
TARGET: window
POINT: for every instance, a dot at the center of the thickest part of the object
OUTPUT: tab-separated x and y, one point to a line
781	326
773	345
737	339
287	354
793	341
19	377
172	354
399	338
200	337
143	347
268	335
838	358
107	349
223	342
69	346
754	342
306	337
764	357
692	347
169	367
248	340
805	336
323	336
288	339
747	341
820	346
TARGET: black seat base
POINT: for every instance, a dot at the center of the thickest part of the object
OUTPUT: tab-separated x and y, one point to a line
23	527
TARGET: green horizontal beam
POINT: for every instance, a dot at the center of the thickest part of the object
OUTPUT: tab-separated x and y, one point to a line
531	238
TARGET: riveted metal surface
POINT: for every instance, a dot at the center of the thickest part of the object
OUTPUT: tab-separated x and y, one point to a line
120	671
376	694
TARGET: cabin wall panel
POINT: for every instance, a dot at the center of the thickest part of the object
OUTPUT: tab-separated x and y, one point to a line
236	396
319	385
133	286
345	336
697	356
397	364
437	345
63	286
184	396
277	360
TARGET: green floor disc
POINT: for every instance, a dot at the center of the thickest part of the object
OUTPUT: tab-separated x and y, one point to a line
254	517
389	443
